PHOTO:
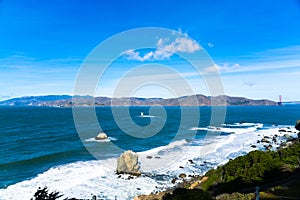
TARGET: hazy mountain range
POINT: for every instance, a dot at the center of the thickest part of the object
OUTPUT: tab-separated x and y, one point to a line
194	100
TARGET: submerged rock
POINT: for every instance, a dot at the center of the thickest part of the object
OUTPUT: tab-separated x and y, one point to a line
174	180
101	136
128	164
191	161
149	157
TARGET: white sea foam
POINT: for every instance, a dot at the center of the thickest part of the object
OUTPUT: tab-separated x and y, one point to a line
198	129
236	128
159	149
244	124
145	116
84	179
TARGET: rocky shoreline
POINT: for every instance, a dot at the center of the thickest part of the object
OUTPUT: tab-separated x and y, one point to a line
271	171
192	186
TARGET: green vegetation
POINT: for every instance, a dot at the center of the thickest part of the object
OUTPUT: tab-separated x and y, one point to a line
183	193
242	102
236	195
258	168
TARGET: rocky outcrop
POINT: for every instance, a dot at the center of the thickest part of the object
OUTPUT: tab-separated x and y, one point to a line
297	126
128	164
182	176
101	136
288	137
265	140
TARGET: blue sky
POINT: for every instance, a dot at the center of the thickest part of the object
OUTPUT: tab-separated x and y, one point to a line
254	44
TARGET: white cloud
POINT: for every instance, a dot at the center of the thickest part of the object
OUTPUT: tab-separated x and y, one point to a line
165	49
212	69
181	44
224	68
132	55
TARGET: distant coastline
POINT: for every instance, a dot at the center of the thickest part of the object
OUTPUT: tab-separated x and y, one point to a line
193	100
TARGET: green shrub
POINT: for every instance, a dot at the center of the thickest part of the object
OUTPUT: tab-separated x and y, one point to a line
255	168
235	196
186	194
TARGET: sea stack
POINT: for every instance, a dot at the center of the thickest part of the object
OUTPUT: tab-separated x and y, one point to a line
101	136
128	164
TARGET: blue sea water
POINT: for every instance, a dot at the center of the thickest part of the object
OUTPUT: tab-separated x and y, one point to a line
37	139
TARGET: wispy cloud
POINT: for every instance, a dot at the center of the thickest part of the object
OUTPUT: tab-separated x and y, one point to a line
165	48
21	63
282	60
222	68
210	44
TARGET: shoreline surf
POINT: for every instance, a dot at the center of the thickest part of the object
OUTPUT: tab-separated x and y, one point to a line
81	179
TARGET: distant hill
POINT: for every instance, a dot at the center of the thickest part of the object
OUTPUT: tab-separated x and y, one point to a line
34	100
194	100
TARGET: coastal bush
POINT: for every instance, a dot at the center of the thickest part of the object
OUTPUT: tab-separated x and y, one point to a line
235	195
255	168
43	194
183	193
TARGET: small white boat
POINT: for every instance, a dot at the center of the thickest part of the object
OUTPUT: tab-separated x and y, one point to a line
142	114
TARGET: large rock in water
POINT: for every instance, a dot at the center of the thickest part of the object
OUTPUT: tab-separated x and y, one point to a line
297	126
101	136
128	164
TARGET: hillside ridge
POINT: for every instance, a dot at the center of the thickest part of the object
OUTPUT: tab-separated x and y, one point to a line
193	100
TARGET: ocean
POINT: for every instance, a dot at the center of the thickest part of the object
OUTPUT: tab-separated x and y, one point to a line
40	146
